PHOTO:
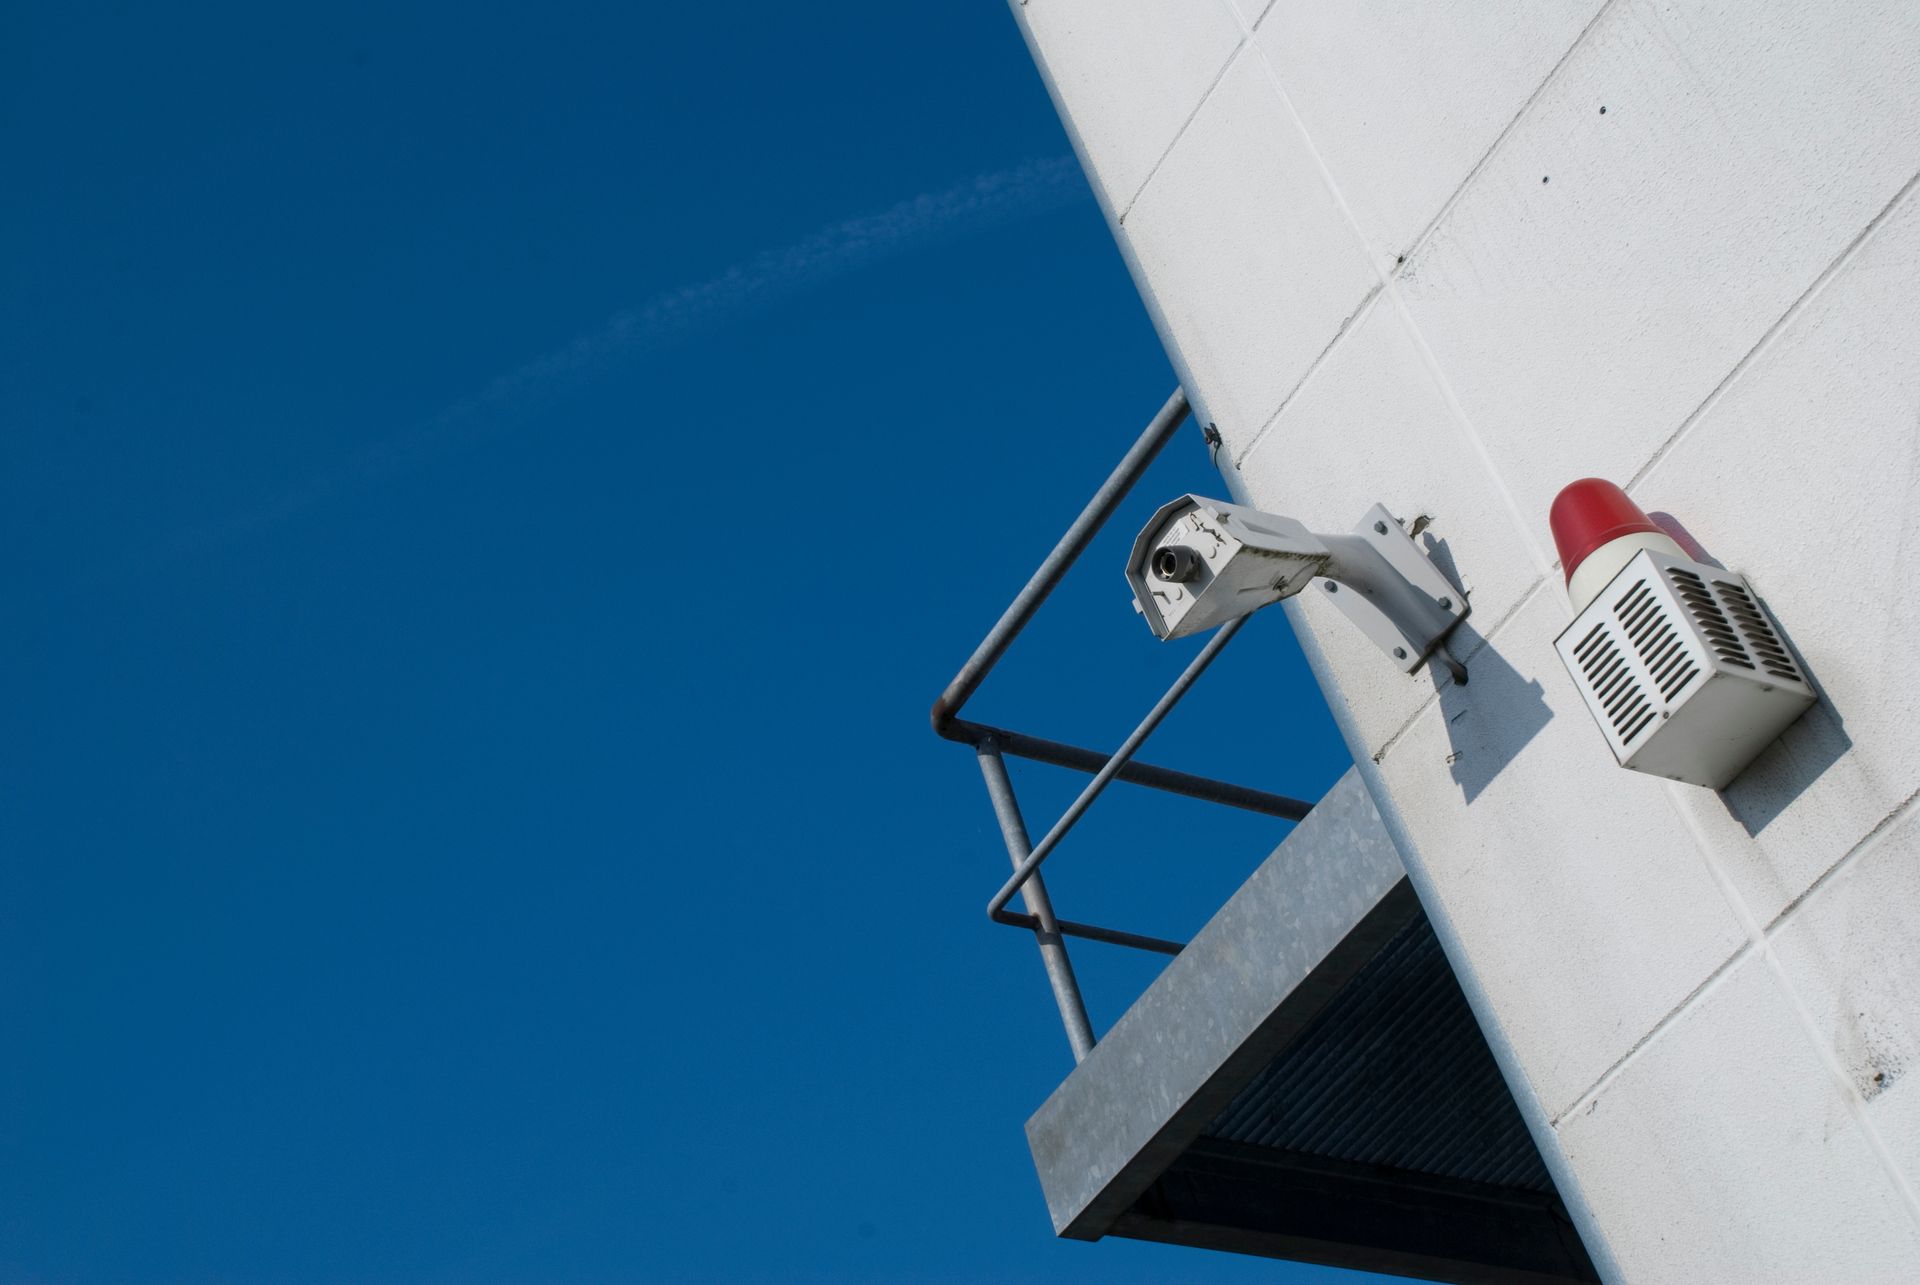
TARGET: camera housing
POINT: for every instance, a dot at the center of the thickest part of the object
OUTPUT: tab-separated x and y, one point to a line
1201	563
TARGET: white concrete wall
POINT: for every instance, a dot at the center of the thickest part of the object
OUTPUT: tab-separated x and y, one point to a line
1398	252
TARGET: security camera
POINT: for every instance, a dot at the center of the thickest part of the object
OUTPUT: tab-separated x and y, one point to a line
1200	563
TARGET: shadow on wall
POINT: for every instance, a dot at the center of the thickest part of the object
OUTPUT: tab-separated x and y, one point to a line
1441	556
1800	757
1684	538
1490	727
1787	767
1483	744
1803	753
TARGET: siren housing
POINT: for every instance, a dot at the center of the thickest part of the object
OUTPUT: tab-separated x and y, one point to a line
1677	660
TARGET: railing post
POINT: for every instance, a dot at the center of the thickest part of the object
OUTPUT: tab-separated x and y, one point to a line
1053	948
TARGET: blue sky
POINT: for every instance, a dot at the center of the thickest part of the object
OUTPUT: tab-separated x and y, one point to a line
487	500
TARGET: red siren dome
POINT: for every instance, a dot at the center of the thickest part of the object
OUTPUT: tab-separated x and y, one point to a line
1591	513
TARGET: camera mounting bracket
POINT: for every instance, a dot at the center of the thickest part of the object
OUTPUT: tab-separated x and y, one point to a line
1387	585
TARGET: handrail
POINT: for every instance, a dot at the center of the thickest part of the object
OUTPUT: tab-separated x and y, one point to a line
1143	452
992	744
1134	772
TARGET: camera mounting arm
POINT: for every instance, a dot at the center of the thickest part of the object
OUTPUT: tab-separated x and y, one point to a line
1201	562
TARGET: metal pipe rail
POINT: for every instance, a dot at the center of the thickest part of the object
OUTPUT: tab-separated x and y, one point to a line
992	745
1021	610
1039	750
1104	777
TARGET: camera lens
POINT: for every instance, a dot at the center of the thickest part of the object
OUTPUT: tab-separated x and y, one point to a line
1175	563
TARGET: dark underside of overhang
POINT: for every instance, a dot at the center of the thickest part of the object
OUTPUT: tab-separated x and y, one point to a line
1383	1137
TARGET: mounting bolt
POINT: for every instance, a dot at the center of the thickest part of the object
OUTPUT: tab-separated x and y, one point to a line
1446	604
1399	653
1380	527
1331	586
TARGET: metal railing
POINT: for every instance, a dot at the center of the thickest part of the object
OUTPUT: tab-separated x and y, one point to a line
992	745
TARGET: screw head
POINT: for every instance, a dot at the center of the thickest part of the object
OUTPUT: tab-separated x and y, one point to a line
1446	604
1331	586
1381	527
1399	653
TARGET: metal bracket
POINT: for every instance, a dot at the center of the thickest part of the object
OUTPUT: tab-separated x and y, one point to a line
1386	584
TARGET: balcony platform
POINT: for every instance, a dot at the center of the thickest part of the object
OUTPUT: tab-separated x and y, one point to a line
1306	1081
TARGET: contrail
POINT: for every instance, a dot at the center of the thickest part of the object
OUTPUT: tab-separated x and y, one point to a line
984	202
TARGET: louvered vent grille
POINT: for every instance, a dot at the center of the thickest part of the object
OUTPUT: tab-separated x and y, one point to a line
1733	624
1611	679
1683	670
1714	625
1662	649
1754	626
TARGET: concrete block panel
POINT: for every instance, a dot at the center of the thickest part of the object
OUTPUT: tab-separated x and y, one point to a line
1244	251
1404	98
1774	1183
1586	911
1802	475
1127	76
1603	273
1847	951
1371	426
